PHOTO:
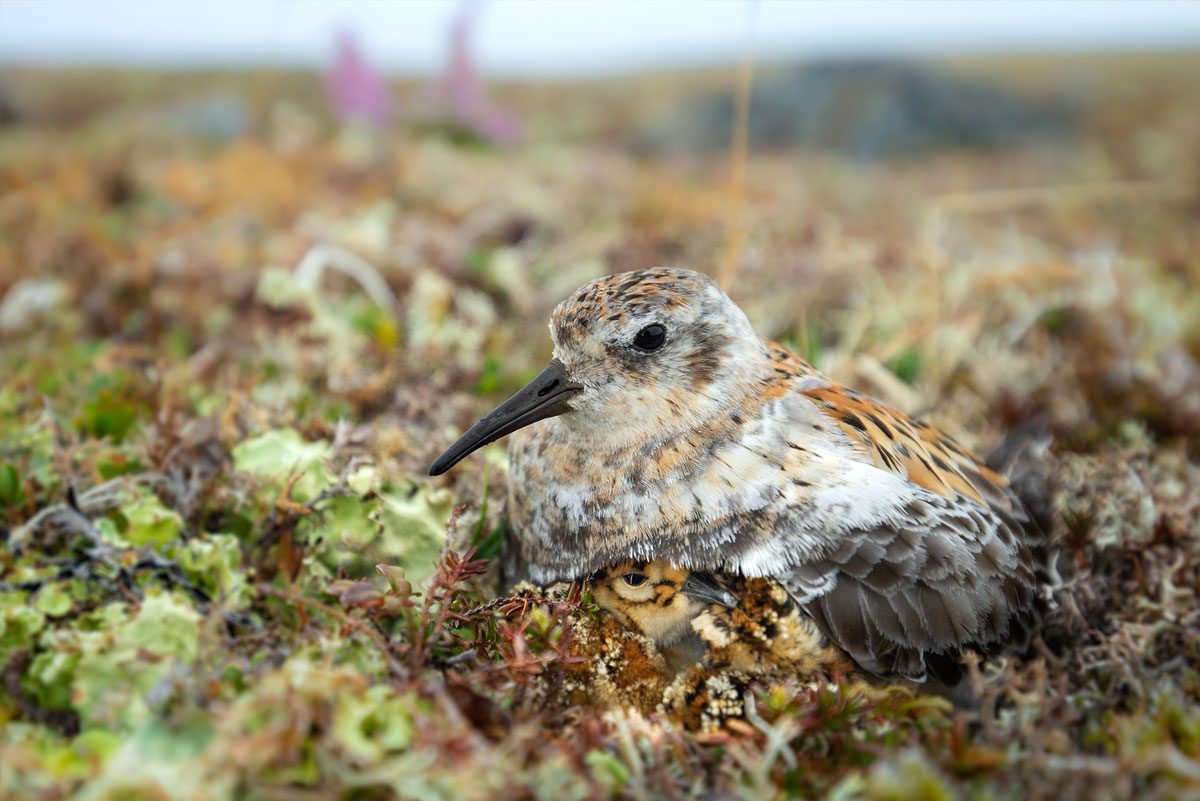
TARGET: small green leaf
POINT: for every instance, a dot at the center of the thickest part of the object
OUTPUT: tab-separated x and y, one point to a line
54	600
151	523
397	582
477	260
98	743
379	325
488	547
414	529
117	464
11	491
112	408
490	377
1057	320
278	454
214	562
607	769
171	744
907	365
373	724
19	625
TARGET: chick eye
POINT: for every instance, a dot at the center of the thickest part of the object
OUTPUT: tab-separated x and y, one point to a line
650	338
634	579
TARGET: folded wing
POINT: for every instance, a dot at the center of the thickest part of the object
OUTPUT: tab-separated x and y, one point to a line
929	550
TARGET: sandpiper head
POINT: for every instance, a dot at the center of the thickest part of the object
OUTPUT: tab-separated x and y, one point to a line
656	598
637	356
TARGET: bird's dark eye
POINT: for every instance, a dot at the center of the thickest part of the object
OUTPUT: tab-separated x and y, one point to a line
650	338
634	579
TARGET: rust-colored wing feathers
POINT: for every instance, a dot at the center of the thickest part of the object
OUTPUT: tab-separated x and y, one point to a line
895	441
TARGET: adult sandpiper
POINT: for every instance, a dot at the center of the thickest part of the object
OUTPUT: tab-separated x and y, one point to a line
666	428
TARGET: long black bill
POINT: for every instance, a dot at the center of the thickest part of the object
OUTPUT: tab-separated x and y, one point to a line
544	396
702	587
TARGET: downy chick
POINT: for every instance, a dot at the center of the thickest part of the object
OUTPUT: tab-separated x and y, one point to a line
660	601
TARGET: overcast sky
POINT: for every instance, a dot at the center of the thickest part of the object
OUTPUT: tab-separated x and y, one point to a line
556	37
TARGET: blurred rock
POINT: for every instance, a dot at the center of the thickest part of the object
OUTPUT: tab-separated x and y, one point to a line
9	113
868	110
219	117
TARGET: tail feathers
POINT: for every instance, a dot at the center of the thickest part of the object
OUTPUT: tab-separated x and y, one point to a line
1024	458
1069	600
